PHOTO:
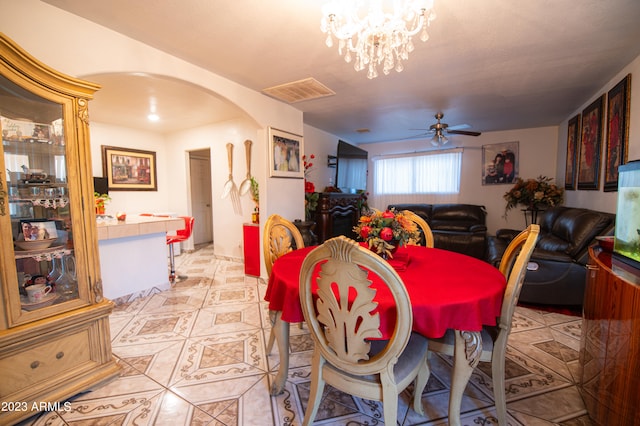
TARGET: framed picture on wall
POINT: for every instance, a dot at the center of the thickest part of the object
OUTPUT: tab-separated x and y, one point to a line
591	145
129	169
617	143
285	154
500	163
573	137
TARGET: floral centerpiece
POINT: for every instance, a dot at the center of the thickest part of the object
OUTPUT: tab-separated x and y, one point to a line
101	200
385	231
310	194
534	194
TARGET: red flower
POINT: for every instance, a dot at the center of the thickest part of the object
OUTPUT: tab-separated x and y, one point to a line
386	234
309	186
364	232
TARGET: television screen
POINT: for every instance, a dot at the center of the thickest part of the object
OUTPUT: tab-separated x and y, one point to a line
101	185
351	170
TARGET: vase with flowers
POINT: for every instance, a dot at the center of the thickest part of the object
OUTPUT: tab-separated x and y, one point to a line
533	194
100	202
385	231
310	194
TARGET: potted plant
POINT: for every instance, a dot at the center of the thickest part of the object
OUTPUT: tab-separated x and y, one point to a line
533	194
310	194
100	201
254	190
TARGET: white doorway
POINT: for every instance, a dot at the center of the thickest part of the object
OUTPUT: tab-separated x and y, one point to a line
201	207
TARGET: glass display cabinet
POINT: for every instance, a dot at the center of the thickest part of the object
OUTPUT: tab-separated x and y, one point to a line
54	329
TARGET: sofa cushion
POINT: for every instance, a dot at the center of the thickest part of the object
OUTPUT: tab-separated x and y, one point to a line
557	270
458	212
552	243
577	228
458	217
457	227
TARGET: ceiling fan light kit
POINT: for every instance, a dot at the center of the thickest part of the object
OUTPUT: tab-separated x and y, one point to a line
440	131
439	139
380	36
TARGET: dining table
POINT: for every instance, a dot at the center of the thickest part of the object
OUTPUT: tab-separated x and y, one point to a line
447	290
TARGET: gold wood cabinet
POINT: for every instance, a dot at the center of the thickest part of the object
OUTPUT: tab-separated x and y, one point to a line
52	345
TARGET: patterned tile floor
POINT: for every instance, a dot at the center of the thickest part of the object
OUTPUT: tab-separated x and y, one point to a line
195	355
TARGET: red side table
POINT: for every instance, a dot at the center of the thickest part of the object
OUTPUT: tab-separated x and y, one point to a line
251	235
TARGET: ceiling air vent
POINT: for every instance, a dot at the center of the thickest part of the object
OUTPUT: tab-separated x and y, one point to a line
297	91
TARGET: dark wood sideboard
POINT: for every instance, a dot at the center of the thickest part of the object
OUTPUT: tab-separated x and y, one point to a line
610	343
336	214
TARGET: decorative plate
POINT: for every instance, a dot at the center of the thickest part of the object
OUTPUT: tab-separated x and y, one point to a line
46	301
34	244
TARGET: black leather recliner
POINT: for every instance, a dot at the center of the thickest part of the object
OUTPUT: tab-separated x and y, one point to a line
557	270
456	227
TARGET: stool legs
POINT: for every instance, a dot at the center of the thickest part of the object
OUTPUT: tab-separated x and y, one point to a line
172	263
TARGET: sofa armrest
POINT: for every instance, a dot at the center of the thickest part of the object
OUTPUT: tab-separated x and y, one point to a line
507	234
495	249
556	256
478	229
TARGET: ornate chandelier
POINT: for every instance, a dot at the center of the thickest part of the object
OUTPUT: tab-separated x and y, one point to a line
382	36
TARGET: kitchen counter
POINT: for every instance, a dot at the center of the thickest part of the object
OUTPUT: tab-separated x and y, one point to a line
138	225
133	255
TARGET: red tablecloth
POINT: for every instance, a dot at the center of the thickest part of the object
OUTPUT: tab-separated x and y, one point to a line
447	289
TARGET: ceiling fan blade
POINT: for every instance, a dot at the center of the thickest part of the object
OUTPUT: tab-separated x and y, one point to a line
463	132
459	127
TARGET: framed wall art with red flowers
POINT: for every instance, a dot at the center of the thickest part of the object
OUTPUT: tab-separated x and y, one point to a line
591	145
615	154
573	143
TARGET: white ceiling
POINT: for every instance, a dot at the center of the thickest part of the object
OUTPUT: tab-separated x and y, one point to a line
492	64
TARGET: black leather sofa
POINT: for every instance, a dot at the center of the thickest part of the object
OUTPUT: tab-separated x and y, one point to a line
456	227
557	269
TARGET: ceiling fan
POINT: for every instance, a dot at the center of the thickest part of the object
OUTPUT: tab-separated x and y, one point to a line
440	130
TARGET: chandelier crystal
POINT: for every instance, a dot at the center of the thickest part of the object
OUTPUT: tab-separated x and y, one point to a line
380	36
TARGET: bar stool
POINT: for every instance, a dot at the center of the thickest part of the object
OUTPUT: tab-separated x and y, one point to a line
181	235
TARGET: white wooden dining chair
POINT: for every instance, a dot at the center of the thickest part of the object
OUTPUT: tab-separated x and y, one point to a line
348	353
494	339
280	236
427	235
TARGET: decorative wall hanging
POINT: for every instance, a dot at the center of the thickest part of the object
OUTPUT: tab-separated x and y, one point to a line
285	154
500	163
573	144
129	169
591	145
618	103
